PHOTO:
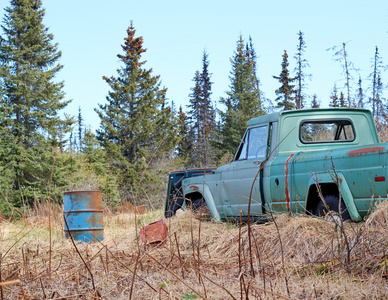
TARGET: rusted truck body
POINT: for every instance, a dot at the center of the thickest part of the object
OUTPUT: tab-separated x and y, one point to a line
301	161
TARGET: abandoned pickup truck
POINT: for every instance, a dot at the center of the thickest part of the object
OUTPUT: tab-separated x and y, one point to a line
282	160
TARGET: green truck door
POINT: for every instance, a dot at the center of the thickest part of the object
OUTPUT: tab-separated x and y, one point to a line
237	177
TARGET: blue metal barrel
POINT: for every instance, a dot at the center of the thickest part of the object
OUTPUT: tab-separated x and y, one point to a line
83	216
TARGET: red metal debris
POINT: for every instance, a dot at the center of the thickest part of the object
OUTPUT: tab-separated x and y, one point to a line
154	233
366	151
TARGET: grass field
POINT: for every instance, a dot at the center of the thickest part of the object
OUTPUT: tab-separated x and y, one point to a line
292	257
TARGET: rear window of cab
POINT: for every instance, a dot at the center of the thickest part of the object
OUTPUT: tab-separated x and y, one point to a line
326	131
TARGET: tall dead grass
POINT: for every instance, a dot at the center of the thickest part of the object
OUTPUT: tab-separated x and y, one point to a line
313	264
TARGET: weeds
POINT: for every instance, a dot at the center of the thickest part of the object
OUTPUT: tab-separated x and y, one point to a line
176	270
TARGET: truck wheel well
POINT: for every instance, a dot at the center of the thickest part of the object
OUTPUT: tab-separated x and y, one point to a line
313	196
193	196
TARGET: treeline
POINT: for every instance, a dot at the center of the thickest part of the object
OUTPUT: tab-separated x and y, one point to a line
141	136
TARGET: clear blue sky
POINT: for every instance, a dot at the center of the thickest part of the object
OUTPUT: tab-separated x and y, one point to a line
176	32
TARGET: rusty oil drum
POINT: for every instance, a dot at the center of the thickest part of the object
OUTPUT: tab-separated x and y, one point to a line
83	216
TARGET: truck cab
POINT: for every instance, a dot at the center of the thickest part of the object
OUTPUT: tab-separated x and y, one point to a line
284	158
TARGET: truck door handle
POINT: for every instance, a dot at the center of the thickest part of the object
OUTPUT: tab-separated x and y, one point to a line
257	162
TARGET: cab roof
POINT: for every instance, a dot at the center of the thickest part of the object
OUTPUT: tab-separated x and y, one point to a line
274	117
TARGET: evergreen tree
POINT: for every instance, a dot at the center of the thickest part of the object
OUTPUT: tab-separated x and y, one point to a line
251	54
194	116
7	145
201	116
74	142
342	100
379	103
95	163
71	146
334	98
32	100
242	101
185	144
287	90
315	102
80	126
377	65
360	94
301	64
133	125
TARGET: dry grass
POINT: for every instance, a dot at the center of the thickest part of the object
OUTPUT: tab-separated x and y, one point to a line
314	262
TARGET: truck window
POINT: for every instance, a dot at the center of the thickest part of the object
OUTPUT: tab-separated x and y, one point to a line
242	151
258	137
254	144
326	131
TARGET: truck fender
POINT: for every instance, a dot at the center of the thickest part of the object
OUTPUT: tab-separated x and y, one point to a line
345	191
206	194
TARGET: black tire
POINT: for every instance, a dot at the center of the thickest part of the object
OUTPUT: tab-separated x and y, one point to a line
197	204
174	205
200	209
332	202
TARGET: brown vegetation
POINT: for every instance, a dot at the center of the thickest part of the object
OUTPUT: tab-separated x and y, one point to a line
128	207
293	257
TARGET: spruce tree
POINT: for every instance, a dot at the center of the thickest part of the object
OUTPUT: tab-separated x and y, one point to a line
286	91
96	165
315	102
360	94
381	115
133	125
71	145
342	100
334	97
194	116
301	64
377	65
33	100
201	116
185	143
80	128
242	101
7	145
251	54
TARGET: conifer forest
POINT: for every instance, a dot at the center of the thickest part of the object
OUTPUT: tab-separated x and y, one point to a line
141	136
45	152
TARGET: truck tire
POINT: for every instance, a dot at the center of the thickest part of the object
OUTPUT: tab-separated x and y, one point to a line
174	205
332	202
197	204
200	209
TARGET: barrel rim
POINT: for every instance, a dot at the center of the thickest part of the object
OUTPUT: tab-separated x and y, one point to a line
83	210
78	192
84	229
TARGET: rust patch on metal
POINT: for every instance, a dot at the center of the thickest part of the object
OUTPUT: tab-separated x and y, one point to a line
286	183
194	187
154	233
84	215
365	151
